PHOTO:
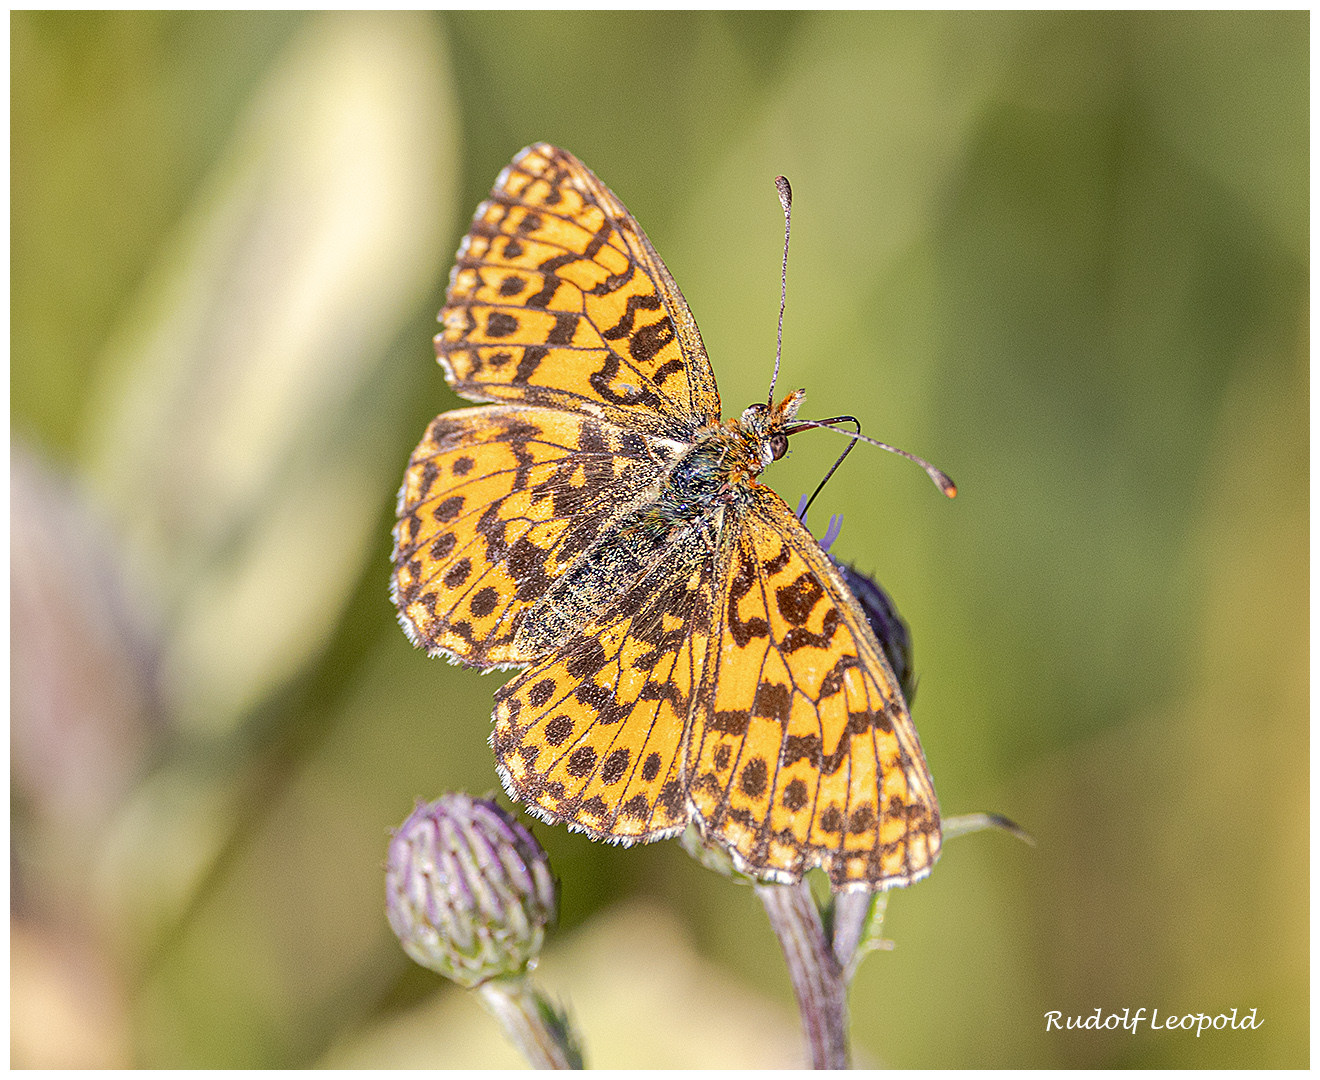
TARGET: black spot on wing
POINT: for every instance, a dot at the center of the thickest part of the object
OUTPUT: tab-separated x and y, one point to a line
581	761
539	694
773	701
797	601
616	764
501	324
753	778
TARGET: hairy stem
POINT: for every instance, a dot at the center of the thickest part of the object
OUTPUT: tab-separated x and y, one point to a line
850	912
817	976
531	1023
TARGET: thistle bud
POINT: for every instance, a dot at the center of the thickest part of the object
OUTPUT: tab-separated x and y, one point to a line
892	632
468	890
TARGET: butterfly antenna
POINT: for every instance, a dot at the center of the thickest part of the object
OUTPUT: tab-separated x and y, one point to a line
940	478
846	451
786	201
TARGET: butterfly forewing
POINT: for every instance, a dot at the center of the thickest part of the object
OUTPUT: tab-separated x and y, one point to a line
559	299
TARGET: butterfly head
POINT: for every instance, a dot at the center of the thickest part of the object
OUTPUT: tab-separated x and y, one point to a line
765	424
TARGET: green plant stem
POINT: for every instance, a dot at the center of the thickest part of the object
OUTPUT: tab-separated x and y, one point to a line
822	995
531	1023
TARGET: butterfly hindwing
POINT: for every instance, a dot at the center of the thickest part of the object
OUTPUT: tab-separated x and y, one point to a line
801	751
593	735
496	503
558	299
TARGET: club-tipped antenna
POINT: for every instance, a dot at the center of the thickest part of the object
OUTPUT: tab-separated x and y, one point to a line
786	201
938	477
839	461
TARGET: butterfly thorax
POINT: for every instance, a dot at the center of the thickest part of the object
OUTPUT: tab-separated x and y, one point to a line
758	437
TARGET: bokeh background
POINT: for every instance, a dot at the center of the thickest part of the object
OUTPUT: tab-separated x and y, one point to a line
1064	256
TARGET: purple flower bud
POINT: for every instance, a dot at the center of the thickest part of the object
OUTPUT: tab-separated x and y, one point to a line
468	890
892	632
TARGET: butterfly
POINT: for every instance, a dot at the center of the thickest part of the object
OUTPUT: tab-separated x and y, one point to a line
690	653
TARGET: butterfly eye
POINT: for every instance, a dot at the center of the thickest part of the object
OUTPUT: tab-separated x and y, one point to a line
754	416
778	445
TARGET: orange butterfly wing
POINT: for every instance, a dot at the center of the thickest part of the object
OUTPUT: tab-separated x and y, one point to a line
801	751
558	299
497	501
593	735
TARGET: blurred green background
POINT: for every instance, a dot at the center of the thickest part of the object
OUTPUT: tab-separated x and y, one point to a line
1064	256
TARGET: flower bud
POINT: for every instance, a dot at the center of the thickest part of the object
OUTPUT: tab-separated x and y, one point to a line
468	890
893	633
